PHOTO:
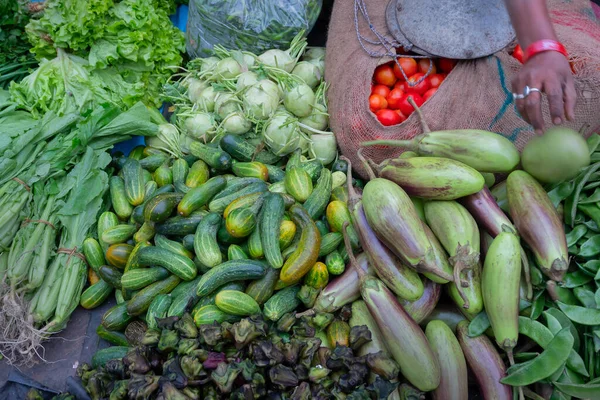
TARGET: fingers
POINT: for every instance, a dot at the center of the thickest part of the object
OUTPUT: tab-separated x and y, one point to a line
570	96
555	95
533	108
518	86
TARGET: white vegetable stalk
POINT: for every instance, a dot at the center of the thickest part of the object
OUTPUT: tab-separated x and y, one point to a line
285	60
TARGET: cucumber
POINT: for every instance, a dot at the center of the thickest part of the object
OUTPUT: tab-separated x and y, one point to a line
171	245
317	277
209	314
132	261
282	302
110	353
271	217
180	170
215	157
340	193
235	252
323	227
220	204
242	150
252	169
112	337
223	236
116	318
210	299
93	253
198	174
205	241
229	271
294	159
278	187
313	168
137	152
163	176
177	264
140	302
337	214
185	286
118	254
330	242
338	179
200	196
316	203
141	277
243	202
276	174
145	233
118	234
287	232
298	184
149	189
133	178
255	249
158	309
160	207
110	275
182	303
153	161
95	295
118	197
180	226
335	263
240	222
262	289
235	184
234	302
188	242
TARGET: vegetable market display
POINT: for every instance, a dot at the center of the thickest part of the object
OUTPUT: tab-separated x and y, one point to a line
243	260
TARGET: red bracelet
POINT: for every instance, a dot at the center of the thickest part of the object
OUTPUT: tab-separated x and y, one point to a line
544	45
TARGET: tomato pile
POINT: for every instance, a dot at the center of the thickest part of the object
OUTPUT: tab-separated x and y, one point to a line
390	90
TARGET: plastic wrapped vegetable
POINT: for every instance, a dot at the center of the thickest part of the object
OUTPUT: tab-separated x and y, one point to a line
251	25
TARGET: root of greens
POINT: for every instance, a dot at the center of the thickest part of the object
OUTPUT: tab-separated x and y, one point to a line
20	340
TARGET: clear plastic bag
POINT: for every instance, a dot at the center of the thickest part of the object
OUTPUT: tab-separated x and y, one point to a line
251	25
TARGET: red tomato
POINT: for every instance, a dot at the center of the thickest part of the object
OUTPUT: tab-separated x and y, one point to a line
409	66
429	93
406	107
446	64
436	80
402	116
388	117
518	54
377	102
424	66
422	87
384	75
400	85
381	90
394	98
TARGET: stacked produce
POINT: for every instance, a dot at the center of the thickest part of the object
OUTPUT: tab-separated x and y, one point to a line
100	51
397	81
276	99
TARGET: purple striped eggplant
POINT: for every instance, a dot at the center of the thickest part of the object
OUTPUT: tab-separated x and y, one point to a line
485	363
448	313
487	213
403	281
392	216
453	366
538	223
422	307
344	289
432	178
458	232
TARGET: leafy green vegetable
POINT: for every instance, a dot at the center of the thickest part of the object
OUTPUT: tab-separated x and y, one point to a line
130	47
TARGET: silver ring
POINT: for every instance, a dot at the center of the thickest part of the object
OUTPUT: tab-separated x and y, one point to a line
526	92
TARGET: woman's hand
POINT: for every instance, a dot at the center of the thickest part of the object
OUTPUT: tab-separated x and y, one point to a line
549	72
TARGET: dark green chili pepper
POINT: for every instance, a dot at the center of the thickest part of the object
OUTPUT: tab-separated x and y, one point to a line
550	360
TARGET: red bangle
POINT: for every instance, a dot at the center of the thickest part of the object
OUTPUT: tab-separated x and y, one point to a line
544	45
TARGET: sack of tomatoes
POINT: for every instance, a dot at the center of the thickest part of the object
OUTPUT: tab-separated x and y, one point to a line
396	81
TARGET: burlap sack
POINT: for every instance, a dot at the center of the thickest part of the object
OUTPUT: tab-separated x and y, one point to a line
476	94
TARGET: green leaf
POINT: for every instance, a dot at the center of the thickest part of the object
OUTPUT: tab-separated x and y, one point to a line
580	315
591	247
587	391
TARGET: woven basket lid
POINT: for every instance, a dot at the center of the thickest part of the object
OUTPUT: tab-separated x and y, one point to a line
457	29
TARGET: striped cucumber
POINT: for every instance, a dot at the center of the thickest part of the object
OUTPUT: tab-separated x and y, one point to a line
209	314
177	264
235	302
298	183
200	196
118	234
106	221
133	177
271	217
140	302
229	271
118	197
176	247
158	309
93	253
142	277
316	203
262	289
95	295
282	302
205	240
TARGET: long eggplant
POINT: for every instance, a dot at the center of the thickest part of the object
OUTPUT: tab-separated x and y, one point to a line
422	307
487	213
